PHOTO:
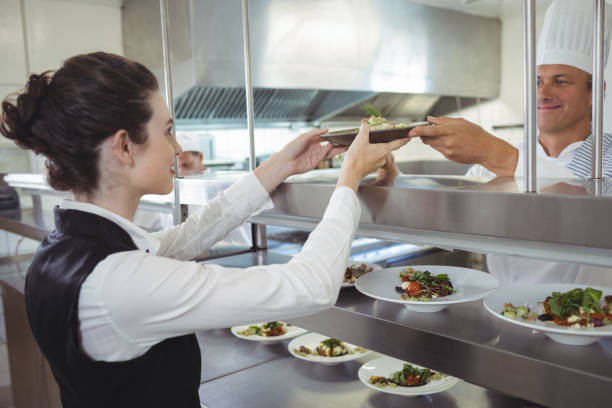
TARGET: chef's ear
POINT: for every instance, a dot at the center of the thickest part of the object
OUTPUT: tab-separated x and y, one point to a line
122	147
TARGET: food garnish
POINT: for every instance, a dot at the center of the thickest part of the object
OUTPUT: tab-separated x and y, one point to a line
377	121
329	347
408	376
519	312
269	329
423	286
354	271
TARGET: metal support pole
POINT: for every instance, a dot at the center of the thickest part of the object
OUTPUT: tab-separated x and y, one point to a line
258	231
248	83
598	82
529	95
177	213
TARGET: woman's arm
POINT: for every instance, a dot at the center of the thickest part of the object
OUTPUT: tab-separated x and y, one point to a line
134	300
232	207
211	223
298	156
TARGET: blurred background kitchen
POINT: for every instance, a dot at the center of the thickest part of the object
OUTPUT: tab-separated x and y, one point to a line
315	63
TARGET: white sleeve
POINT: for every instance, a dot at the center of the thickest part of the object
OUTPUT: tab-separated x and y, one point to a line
212	222
133	300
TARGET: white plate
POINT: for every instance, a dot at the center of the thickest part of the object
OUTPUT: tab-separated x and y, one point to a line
385	366
292	331
469	284
357	263
312	341
531	295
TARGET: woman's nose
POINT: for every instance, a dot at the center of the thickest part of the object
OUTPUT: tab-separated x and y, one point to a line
177	148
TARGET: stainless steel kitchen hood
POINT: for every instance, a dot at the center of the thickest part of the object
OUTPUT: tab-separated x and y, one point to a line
316	60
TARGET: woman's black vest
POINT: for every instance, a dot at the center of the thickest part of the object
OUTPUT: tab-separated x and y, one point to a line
167	375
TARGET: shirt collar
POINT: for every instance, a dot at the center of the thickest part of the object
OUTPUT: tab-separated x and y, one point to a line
567	152
141	238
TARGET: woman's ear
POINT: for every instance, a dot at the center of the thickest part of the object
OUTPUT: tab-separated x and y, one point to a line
122	147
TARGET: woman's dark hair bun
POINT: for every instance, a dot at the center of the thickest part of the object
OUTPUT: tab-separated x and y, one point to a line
67	115
19	116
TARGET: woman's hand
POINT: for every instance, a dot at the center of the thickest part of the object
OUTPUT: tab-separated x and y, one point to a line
303	153
363	157
388	172
298	156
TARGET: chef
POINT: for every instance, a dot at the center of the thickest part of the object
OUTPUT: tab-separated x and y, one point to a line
190	160
564	104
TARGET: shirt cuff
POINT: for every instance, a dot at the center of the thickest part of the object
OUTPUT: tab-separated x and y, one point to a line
343	203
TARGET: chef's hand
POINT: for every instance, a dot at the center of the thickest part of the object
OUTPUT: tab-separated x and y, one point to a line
298	156
363	157
388	172
465	142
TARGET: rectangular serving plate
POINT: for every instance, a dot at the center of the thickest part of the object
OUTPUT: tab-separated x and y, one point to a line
346	137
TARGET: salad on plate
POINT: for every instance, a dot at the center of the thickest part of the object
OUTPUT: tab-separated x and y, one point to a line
268	329
268	332
381	131
408	376
576	308
317	348
571	314
423	286
329	347
390	375
356	269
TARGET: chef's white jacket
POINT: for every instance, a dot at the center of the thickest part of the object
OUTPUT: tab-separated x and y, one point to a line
514	270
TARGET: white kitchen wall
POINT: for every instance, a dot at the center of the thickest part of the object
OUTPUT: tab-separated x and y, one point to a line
55	30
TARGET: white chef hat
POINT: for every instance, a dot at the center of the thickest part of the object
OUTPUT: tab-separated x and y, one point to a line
189	141
567	35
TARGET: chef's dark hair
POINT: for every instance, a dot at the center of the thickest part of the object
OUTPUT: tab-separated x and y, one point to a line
67	115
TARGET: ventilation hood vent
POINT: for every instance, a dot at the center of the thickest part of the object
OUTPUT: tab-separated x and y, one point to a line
317	60
205	102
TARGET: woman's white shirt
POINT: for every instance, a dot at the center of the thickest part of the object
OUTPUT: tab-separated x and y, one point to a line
135	299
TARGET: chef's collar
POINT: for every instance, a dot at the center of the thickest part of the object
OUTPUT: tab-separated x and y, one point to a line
569	150
141	238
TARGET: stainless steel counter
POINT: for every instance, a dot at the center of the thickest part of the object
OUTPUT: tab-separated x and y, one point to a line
468	342
240	373
566	220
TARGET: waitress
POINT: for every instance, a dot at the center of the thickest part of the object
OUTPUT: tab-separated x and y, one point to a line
114	308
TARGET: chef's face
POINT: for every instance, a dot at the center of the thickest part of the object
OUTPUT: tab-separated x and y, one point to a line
154	162
190	162
564	98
